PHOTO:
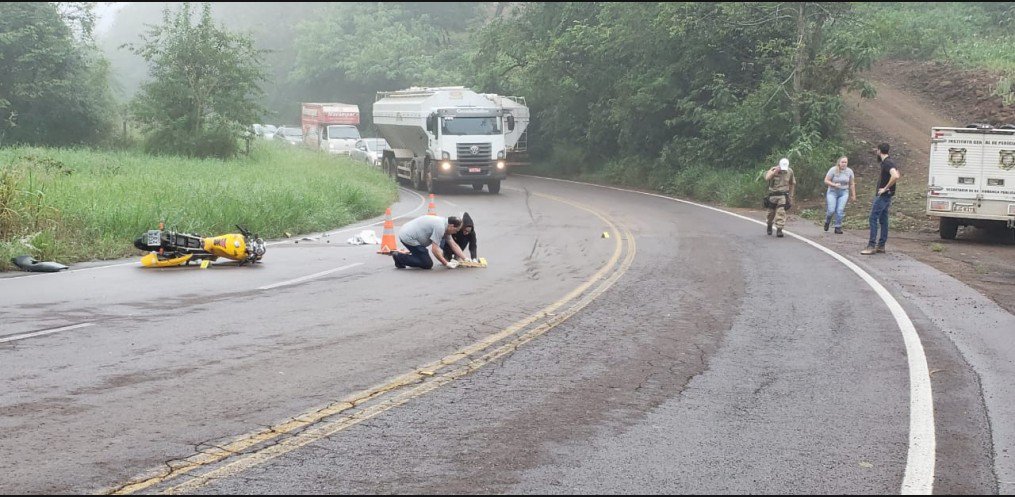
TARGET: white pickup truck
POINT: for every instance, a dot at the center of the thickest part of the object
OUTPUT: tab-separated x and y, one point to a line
972	177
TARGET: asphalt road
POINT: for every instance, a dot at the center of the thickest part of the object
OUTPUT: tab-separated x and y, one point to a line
617	343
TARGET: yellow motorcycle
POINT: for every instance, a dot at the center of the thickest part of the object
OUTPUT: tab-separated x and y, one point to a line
169	248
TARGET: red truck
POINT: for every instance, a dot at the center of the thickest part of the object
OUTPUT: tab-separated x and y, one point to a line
330	126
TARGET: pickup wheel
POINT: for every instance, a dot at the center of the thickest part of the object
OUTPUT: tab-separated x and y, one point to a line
494	186
949	228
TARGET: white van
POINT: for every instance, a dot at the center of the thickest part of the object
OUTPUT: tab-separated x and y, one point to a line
972	177
339	138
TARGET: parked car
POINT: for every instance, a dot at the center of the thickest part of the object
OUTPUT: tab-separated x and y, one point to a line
268	131
290	134
369	150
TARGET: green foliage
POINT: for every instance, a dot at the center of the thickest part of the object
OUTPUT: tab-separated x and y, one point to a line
53	87
971	34
351	51
76	204
204	88
690	97
810	156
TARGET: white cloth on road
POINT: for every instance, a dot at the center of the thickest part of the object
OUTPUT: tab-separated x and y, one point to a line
365	237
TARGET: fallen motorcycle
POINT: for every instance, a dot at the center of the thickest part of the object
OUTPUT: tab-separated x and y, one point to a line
169	248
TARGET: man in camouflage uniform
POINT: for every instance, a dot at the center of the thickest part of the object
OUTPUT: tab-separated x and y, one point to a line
781	186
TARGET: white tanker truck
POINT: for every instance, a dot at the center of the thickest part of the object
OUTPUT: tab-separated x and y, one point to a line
444	135
515	126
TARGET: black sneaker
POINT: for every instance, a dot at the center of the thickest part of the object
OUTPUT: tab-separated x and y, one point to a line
399	265
770	229
838	231
827	222
778	232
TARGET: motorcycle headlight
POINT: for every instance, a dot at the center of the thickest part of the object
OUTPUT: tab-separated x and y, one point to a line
446	166
445	156
500	164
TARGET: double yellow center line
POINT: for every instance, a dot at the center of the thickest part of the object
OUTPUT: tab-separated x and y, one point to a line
315	425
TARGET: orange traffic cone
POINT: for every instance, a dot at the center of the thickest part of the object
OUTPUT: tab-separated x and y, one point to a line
388	243
431	209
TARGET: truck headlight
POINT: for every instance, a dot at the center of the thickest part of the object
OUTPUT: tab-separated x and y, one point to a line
500	164
500	155
445	156
446	166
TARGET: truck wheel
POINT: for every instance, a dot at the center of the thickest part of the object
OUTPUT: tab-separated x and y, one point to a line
431	185
949	228
417	182
477	187
494	186
388	166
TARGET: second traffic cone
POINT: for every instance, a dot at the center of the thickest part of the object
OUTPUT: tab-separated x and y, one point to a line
431	209
388	243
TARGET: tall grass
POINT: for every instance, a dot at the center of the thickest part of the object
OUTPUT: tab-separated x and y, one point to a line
970	35
73	204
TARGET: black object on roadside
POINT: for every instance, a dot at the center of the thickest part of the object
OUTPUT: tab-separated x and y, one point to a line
28	263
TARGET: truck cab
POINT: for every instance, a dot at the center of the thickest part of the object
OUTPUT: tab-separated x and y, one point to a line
447	135
330	127
468	146
971	180
339	138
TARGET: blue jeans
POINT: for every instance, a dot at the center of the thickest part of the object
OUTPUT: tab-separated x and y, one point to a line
835	202
417	257
879	216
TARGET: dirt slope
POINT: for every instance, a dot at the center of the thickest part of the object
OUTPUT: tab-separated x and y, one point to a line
908	104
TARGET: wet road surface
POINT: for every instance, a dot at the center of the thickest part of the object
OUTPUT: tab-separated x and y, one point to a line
617	343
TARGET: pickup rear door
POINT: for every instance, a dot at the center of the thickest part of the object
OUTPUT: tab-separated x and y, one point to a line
956	165
997	182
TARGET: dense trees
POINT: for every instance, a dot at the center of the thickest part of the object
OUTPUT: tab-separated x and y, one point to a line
203	89
53	82
659	92
677	84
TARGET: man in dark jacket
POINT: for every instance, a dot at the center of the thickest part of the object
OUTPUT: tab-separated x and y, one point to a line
465	237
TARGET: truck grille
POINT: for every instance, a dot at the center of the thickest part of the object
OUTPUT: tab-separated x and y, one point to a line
482	155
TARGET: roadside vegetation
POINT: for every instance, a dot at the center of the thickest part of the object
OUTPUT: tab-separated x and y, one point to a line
693	99
76	204
969	35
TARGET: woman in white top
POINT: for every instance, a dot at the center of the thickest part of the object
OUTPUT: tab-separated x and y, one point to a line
840	182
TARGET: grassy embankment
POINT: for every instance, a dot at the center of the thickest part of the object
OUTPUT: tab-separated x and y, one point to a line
963	34
72	205
706	183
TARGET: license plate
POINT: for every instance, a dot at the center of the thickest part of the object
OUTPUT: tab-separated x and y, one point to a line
965	208
474	169
153	238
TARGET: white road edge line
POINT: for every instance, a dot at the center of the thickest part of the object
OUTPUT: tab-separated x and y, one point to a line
919	475
44	332
308	277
